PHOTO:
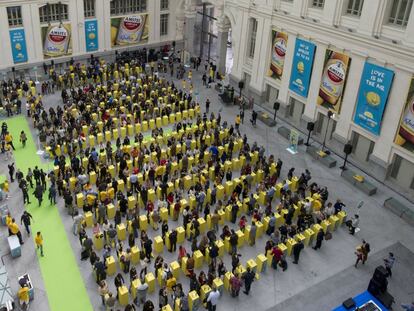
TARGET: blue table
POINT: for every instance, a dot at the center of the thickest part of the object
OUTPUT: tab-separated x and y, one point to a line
360	300
14	246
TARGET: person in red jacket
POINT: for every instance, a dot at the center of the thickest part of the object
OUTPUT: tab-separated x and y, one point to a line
277	256
235	284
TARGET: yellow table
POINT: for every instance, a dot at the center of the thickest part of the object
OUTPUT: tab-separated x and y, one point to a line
158	244
261	261
260	229
121	185
89	219
309	234
325	225
220	192
110	210
143	222
333	222
220	246
240	241
121	231
218	283
202	224
151	195
251	263
184	265
180	234
289	244
123	295
204	291
98	241
228	188
222	215
150	280
134	287
198	259
341	217
135	255
131	202
175	269
79	200
110	265
193	301
282	247
227	276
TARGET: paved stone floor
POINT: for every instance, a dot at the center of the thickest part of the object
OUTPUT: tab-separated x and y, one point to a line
322	280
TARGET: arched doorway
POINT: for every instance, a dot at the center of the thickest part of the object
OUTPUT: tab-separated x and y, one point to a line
213	40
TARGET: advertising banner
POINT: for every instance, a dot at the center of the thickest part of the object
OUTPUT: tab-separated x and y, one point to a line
279	47
405	134
373	93
302	67
18	45
57	40
333	80
91	35
129	30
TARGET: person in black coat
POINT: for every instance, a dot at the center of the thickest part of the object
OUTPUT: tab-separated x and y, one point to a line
319	239
38	193
173	241
297	248
248	280
100	270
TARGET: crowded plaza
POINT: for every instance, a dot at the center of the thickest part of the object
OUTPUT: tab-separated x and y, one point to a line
152	175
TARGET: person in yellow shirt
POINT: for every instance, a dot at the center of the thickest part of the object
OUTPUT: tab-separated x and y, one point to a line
39	242
23	295
9	140
15	230
8	222
237	122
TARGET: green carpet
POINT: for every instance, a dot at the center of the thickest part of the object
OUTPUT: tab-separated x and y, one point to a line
64	284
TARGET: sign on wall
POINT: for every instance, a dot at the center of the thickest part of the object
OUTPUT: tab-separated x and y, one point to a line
333	80
18	45
405	134
302	67
279	47
129	30
57	40
373	93
91	35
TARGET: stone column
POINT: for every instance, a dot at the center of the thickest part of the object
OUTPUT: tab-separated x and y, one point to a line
371	18
190	18
409	35
222	37
287	69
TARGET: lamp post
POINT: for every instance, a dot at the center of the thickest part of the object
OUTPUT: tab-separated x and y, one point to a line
331	115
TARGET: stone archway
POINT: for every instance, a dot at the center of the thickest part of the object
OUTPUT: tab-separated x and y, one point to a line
224	26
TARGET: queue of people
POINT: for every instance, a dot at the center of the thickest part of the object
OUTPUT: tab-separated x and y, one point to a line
102	98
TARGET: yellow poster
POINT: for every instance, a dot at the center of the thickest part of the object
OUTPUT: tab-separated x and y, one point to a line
279	48
333	80
57	40
405	134
129	30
